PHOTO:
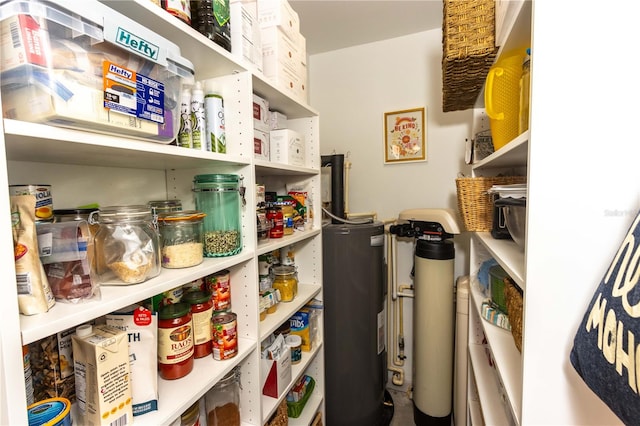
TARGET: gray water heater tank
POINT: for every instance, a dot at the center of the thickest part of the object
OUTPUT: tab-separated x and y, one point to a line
354	294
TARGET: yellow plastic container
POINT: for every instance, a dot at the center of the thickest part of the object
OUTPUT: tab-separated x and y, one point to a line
502	98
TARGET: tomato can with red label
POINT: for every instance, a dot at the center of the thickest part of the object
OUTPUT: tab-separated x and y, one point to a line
219	285
225	335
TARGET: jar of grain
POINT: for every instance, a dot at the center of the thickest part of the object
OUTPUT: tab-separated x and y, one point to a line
219	196
181	238
223	401
126	245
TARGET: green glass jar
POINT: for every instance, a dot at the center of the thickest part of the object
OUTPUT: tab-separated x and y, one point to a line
181	236
219	197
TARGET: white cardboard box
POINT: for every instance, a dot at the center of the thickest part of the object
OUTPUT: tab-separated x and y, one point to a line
245	33
260	113
287	147
277	120
261	144
278	51
275	375
278	13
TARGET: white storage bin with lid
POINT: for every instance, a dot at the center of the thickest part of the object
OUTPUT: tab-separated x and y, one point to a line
82	65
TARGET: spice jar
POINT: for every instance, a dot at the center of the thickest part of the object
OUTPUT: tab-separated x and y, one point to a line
126	246
222	401
181	236
201	313
285	279
218	196
175	341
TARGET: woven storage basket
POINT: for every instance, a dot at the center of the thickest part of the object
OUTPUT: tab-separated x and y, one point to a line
513	296
475	204
468	51
280	417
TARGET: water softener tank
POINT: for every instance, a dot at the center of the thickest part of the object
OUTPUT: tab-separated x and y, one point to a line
433	319
354	318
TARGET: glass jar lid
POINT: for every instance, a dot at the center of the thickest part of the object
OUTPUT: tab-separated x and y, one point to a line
113	214
196	296
216	178
166	205
168	218
283	270
173	311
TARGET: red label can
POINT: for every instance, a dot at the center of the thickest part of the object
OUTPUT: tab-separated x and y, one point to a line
219	285
225	335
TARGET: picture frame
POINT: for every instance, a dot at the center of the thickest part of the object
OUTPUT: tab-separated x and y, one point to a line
405	136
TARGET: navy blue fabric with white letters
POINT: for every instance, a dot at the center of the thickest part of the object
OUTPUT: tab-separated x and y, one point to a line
606	348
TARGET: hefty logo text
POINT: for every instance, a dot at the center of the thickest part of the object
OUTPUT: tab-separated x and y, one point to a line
137	44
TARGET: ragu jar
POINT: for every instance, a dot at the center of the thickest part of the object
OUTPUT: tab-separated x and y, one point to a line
201	312
175	341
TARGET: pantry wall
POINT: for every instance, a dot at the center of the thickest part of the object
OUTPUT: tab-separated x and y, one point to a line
371	79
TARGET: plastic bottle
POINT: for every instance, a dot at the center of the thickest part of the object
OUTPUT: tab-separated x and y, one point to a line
198	123
525	83
185	132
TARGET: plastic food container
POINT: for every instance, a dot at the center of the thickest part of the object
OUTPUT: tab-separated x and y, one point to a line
86	66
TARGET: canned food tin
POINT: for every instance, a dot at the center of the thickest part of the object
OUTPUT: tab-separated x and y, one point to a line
225	335
214	115
219	285
44	201
52	411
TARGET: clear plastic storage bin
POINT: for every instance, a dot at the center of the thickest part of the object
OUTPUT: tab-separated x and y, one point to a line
83	65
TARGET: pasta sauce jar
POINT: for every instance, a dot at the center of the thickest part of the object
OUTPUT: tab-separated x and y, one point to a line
175	341
201	312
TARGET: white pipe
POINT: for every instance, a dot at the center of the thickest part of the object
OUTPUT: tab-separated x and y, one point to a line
392	361
373	215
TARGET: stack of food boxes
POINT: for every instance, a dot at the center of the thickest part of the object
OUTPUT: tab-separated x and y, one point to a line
245	32
284	51
261	128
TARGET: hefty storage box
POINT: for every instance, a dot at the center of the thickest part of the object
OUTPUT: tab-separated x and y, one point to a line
81	65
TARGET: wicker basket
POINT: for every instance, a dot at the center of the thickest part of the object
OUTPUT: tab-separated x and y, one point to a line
513	296
468	51
280	417
475	204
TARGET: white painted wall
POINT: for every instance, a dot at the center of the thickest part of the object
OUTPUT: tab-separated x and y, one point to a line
352	89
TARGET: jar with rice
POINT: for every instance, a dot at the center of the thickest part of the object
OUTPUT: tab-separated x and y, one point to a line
181	236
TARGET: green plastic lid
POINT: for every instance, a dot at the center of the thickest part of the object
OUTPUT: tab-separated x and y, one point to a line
196	296
174	311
